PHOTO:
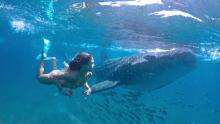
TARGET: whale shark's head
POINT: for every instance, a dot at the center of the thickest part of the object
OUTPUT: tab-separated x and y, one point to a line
156	69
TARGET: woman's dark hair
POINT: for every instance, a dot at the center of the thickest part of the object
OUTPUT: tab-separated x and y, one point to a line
81	59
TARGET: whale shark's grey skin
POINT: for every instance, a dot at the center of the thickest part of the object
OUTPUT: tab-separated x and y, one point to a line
144	72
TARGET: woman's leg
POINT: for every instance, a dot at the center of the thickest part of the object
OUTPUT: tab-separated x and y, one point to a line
53	63
41	77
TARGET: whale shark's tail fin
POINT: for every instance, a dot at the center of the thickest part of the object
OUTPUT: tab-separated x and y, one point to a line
104	86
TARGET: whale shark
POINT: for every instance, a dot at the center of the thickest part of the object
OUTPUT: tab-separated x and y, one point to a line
144	71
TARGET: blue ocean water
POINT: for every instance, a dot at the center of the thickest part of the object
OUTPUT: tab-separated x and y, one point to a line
108	29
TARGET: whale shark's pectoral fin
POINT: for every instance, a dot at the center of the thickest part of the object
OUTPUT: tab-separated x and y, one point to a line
104	86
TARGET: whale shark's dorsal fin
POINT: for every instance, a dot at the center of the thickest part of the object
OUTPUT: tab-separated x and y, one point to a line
104	86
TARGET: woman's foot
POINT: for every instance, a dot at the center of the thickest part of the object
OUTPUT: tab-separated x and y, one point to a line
68	92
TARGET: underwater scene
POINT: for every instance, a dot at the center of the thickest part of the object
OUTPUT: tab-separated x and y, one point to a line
155	61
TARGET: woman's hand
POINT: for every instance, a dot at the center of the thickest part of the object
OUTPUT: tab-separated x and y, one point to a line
67	92
88	92
88	75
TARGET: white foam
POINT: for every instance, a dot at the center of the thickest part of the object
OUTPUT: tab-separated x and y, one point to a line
210	51
130	3
169	13
18	25
119	48
158	50
84	45
212	18
215	54
50	10
211	54
21	26
3	6
130	50
78	6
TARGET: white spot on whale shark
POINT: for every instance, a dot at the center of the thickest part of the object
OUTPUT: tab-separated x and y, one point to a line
138	61
157	50
130	3
170	13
